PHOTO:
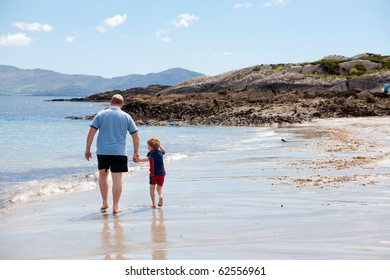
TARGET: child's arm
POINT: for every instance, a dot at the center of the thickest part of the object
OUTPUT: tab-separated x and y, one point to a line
143	159
162	149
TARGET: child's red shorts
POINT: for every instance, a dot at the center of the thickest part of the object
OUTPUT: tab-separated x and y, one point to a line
159	180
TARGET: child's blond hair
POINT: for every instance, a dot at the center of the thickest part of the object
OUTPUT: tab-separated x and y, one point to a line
154	143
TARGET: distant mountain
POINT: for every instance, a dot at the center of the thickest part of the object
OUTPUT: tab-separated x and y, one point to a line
16	81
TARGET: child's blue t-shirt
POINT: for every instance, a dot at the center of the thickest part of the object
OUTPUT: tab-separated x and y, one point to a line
156	163
113	125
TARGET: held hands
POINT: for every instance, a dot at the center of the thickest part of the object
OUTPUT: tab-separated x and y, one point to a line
136	158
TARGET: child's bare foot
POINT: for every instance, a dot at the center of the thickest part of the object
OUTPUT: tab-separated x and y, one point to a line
160	202
153	206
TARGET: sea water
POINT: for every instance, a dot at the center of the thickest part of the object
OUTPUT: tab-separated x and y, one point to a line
42	151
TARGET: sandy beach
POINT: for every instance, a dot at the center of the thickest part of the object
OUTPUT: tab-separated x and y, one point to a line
324	196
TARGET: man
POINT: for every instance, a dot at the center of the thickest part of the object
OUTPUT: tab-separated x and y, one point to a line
113	125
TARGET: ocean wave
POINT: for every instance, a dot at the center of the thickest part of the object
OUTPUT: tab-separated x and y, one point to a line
262	136
177	156
31	190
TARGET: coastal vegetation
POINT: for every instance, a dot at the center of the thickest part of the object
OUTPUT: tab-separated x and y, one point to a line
334	66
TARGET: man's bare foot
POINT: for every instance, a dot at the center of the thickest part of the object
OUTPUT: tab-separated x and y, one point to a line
160	202
117	211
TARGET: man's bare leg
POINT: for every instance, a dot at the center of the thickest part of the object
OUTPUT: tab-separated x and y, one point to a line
116	191
103	185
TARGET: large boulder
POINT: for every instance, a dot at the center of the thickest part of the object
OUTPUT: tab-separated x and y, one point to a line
371	82
346	67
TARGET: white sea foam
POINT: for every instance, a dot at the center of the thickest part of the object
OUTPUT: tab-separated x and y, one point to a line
34	189
177	156
261	137
38	189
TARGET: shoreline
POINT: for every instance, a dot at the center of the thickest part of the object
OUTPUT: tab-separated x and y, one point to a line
322	196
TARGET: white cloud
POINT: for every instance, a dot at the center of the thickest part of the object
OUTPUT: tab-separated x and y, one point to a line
19	39
35	26
275	3
269	3
162	36
245	5
115	20
101	29
70	39
184	20
111	22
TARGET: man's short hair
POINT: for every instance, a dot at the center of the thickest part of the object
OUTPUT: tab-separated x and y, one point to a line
117	99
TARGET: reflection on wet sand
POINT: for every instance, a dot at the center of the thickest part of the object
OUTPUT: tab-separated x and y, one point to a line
159	235
112	239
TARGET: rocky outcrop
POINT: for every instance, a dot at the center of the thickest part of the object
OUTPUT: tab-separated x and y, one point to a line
345	67
268	78
251	108
263	94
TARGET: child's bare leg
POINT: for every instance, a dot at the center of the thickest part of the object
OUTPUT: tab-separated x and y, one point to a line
152	196
160	196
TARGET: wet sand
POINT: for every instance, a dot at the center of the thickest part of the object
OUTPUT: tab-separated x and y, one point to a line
326	196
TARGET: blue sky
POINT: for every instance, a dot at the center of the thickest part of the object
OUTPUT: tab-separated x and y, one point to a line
113	38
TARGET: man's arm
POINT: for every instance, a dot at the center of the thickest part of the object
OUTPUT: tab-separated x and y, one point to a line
135	137
91	135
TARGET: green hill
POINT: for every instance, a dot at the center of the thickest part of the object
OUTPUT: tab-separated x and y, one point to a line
15	81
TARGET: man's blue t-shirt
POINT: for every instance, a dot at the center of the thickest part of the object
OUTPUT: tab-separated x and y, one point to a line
156	163
113	125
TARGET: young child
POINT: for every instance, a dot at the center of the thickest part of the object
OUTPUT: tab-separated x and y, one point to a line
157	170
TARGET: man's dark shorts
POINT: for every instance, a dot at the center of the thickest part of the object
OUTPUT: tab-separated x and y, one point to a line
114	163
